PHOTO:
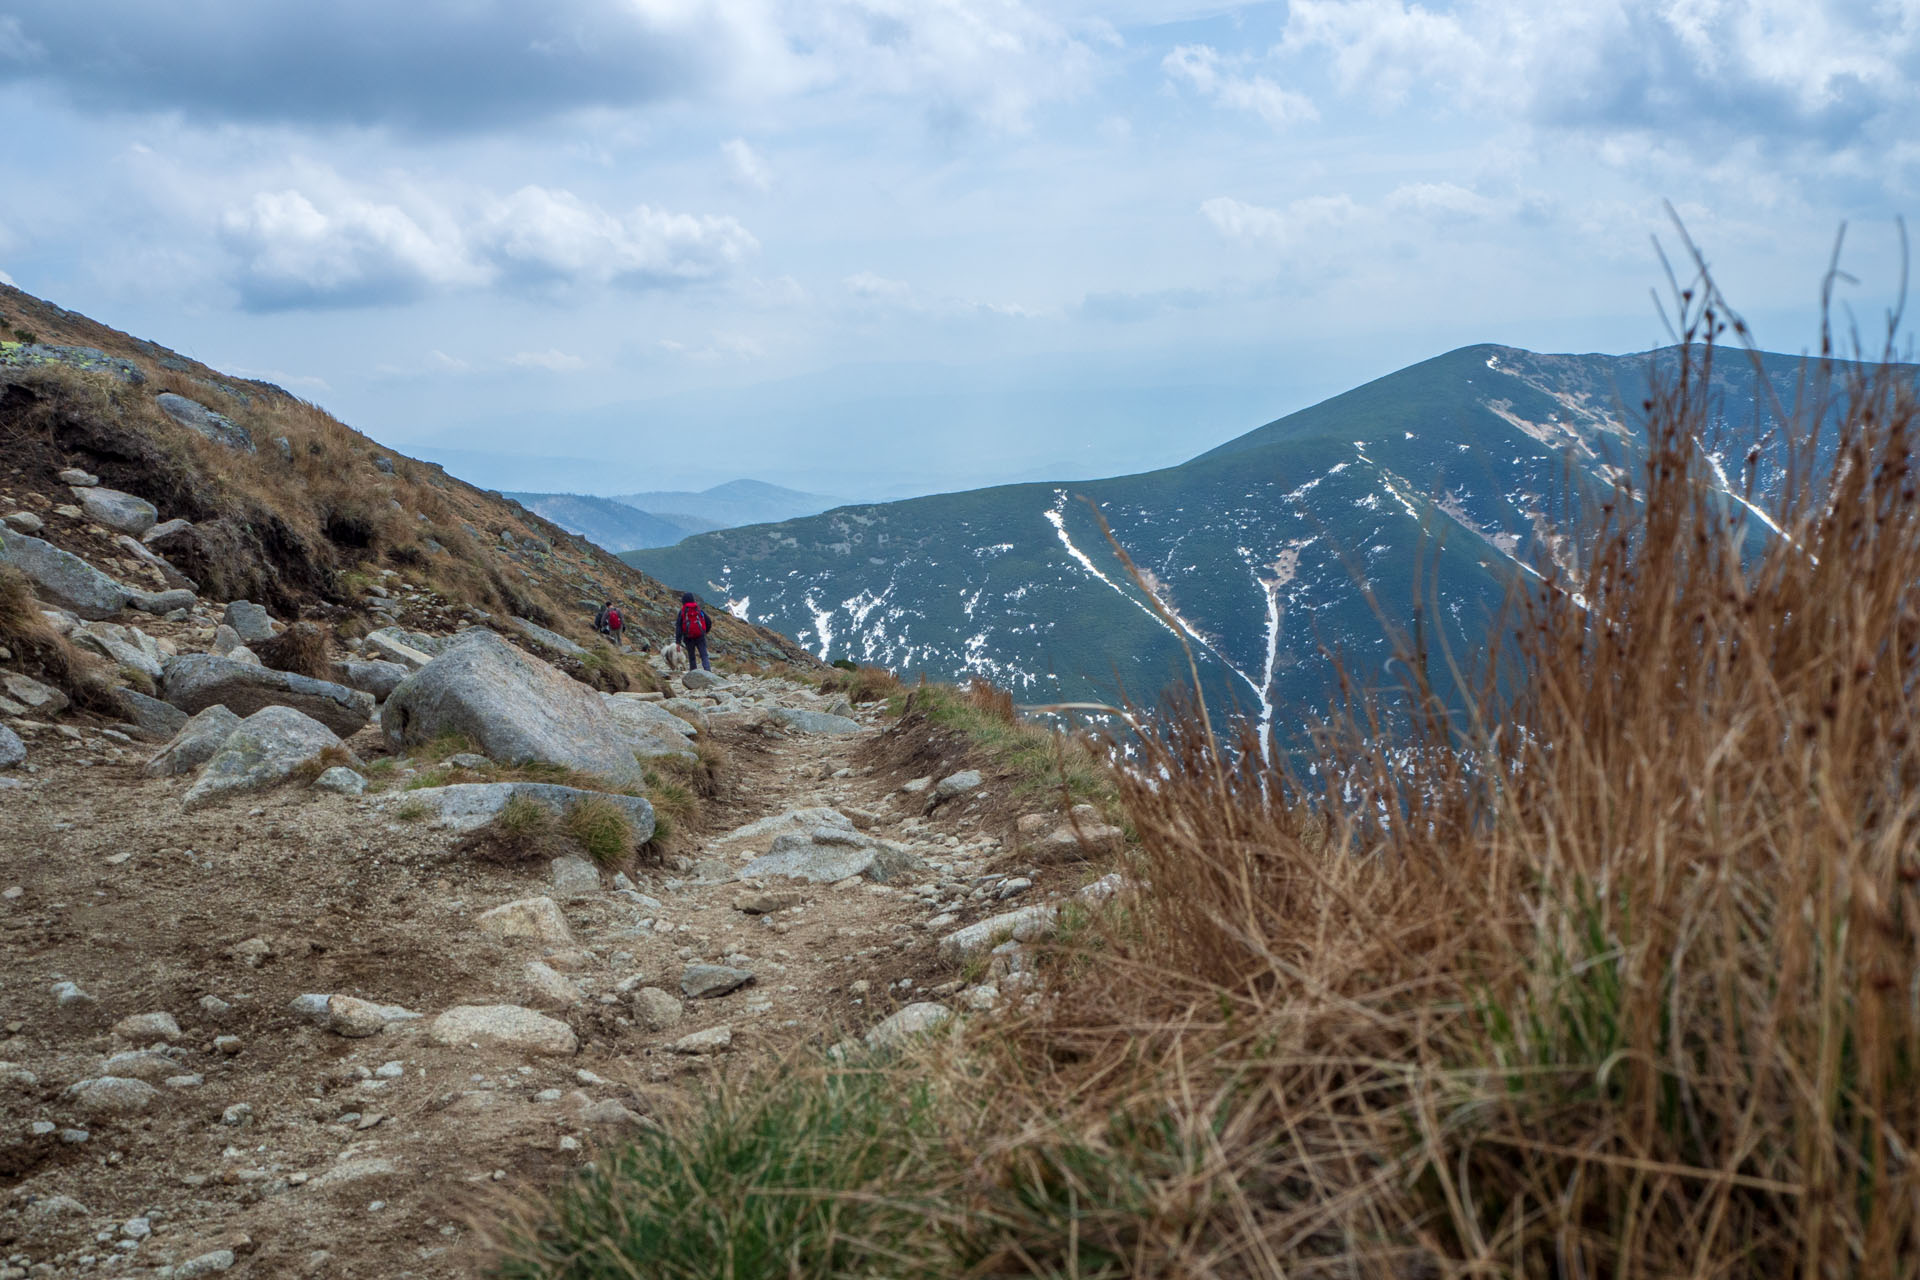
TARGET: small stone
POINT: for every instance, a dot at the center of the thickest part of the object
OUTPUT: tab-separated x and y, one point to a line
13	893
609	1114
57	1207
185	1082
768	901
214	1007
205	1265
916	786
341	781
228	1045
140	1064
504	1026
112	1095
239	1115
75	477
574	877
656	1009
707	981
70	996
390	1070
536	918
548	990
1012	887
955	784
913	1020
147	1027
702	1043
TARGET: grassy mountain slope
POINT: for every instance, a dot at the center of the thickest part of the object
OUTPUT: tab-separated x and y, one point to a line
1275	551
300	522
609	524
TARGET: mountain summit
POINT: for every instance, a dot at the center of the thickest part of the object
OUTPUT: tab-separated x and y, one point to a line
1271	555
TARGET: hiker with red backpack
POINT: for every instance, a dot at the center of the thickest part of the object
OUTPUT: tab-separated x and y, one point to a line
610	624
690	628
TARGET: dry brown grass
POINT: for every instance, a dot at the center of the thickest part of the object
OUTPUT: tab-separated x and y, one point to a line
863	684
1617	978
301	649
44	653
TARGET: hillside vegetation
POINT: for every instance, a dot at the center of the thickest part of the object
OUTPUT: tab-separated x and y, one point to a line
1615	972
303	520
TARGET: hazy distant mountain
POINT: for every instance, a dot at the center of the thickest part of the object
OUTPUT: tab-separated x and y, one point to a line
1438	479
736	502
612	525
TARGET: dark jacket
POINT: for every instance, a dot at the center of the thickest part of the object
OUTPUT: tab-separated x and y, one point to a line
680	623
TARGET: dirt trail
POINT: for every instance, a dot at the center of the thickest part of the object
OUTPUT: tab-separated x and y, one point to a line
305	1152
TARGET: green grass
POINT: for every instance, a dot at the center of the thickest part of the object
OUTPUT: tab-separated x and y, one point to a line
1040	760
811	1175
412	811
600	827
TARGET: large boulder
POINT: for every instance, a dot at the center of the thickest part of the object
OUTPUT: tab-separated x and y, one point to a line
41	699
140	551
64	578
150	719
123	646
466	806
264	749
195	743
249	621
515	707
12	750
546	639
195	416
200	680
649	730
120	512
377	678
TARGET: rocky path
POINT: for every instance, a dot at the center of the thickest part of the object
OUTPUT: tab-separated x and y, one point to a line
178	1095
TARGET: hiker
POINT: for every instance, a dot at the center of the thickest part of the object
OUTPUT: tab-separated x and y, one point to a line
690	629
609	623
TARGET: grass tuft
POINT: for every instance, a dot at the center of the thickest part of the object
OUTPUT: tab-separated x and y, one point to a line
819	1175
601	828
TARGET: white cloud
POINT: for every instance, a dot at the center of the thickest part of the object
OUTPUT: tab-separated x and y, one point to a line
354	252
1299	221
1440	200
747	165
1827	71
867	285
547	236
14	44
994	60
332	246
724	346
1201	67
554	361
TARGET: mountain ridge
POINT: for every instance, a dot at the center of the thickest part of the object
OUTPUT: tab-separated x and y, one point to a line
1278	554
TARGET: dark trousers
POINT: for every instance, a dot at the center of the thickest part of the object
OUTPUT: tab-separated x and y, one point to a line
696	643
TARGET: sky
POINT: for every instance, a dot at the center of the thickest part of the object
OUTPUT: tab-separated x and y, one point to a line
871	248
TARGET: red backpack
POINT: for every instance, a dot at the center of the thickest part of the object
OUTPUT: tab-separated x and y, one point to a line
613	620
693	621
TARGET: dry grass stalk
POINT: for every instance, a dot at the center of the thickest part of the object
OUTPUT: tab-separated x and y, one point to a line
1619	979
